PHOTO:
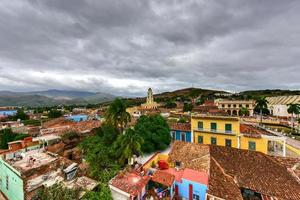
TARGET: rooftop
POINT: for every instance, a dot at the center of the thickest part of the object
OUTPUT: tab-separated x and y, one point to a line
163	177
252	131
47	179
130	182
181	126
215	117
47	137
189	174
231	169
190	156
25	161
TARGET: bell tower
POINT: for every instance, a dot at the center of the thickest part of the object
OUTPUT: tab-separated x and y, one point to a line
150	96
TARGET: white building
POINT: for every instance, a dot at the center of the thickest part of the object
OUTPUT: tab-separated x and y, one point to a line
278	105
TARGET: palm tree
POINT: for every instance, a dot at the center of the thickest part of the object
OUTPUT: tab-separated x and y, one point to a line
128	145
117	115
261	103
293	109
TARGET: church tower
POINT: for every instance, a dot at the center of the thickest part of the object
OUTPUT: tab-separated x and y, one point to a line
150	96
150	103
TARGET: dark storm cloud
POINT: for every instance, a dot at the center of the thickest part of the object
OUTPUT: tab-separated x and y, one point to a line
124	46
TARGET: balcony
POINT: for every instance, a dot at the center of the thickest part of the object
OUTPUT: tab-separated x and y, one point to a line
226	132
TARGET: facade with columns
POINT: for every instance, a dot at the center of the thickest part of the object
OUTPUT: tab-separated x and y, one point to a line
233	107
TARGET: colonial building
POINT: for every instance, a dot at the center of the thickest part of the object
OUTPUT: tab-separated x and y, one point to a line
234	107
150	103
278	105
150	107
228	131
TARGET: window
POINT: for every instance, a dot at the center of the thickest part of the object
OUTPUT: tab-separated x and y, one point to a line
213	140
223	106
247	105
182	134
177	164
252	146
234	105
213	127
196	197
229	105
228	142
200	125
200	139
7	182
228	128
174	135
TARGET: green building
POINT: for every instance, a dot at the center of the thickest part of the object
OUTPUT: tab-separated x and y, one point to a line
11	183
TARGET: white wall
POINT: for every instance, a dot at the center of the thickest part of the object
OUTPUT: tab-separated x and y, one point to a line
279	110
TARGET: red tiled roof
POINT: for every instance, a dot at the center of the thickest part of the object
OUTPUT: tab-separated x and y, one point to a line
222	185
231	169
256	171
181	126
130	182
252	131
163	178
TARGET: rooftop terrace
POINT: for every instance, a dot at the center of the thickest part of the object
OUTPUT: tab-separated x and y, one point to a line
24	161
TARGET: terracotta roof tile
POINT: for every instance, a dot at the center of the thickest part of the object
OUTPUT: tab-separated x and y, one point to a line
252	131
257	171
222	185
181	126
163	178
231	169
190	155
130	182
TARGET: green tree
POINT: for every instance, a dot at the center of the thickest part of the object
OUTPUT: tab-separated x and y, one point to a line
117	115
293	109
261	103
54	113
6	136
71	135
182	120
100	157
170	104
155	132
244	111
200	101
127	145
99	154
102	193
20	115
58	192
187	107
108	133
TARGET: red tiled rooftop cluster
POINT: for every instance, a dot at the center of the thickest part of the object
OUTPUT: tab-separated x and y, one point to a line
130	182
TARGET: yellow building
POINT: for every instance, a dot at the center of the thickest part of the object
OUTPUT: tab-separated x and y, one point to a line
228	131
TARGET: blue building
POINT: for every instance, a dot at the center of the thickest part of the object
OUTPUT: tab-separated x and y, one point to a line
182	132
7	113
77	118
189	184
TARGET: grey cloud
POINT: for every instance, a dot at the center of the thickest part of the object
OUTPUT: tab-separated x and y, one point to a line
126	46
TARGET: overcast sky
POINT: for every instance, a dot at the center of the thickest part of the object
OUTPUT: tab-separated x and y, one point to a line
125	46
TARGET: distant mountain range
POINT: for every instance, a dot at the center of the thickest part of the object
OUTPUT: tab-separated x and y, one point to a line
52	97
67	97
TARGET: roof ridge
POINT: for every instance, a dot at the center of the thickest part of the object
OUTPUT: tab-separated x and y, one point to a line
222	169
